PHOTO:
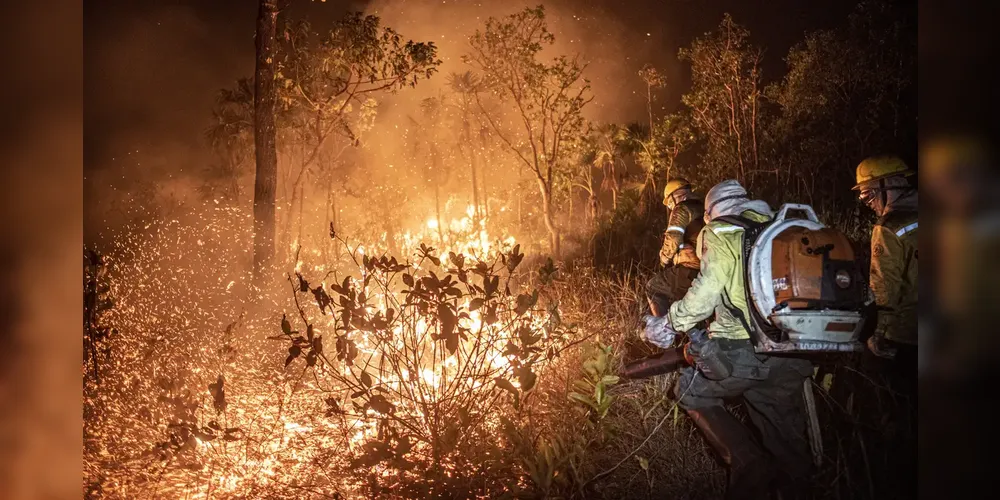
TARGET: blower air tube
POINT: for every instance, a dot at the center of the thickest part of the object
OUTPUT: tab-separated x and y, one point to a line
667	362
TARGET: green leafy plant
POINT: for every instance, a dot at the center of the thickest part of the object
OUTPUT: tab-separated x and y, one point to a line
592	389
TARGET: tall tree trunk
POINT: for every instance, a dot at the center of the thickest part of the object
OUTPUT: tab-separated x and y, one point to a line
437	194
475	188
234	173
328	218
298	237
437	214
472	158
519	194
649	108
334	219
483	189
265	149
570	219
548	217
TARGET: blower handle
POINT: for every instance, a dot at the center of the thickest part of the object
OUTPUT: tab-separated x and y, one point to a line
783	212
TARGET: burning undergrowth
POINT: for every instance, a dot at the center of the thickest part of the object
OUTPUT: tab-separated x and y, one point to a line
413	374
416	366
463	367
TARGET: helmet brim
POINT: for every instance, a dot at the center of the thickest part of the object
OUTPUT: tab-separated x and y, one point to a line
667	196
906	173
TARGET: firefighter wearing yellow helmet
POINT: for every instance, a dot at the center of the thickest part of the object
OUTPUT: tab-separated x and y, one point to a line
883	185
678	257
683	224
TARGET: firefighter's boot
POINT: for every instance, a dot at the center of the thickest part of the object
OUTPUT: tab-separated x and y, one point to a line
750	470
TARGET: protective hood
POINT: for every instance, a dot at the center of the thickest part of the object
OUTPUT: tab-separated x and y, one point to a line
906	201
899	195
730	198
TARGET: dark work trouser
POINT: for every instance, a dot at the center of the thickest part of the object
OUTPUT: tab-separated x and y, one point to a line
772	389
667	286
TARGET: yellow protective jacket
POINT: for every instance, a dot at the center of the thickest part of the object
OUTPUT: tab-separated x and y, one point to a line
720	284
681	237
893	275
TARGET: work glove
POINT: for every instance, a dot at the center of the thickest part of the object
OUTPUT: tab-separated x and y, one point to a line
667	255
658	332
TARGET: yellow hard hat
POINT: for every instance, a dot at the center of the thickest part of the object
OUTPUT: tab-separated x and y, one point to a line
875	168
674	185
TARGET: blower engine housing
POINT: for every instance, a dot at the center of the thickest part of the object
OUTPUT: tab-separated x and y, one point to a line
804	285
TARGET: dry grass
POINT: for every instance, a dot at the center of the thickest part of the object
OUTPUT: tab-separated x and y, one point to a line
550	444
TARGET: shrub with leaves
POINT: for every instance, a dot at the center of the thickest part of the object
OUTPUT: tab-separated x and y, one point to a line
422	359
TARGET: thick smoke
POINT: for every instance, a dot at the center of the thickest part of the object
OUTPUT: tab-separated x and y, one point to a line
152	73
594	32
614	53
152	79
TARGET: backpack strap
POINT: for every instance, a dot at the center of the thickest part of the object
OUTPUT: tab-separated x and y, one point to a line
738	314
752	230
736	220
745	223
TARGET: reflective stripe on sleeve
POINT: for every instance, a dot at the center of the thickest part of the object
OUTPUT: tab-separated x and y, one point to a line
906	229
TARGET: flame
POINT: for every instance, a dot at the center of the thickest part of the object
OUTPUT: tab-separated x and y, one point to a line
276	416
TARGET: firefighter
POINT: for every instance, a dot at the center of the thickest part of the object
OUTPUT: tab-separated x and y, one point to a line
883	186
771	385
678	258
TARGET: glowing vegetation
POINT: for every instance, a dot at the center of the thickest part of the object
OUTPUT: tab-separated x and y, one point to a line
456	288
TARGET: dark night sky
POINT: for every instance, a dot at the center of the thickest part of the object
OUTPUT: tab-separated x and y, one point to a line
152	68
